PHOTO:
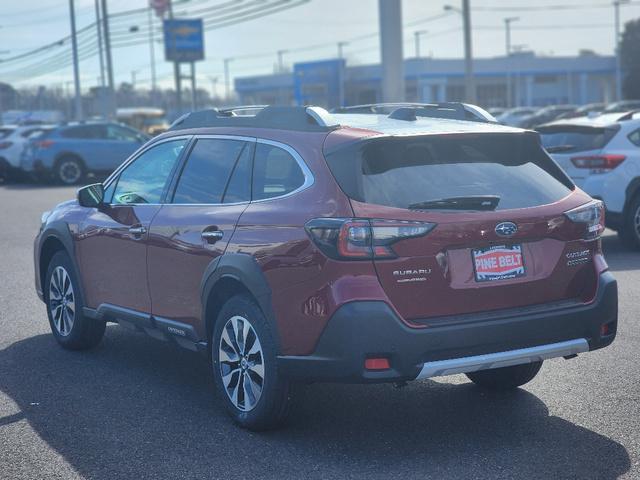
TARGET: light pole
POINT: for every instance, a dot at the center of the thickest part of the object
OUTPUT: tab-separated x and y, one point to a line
214	83
76	67
341	46
227	80
470	86
616	9
416	36
507	25
281	60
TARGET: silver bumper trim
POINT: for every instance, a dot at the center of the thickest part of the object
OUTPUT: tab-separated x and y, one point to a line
503	359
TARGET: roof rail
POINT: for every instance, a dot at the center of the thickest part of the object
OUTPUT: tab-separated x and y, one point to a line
402	111
306	119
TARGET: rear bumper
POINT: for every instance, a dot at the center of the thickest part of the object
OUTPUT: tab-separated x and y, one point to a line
368	329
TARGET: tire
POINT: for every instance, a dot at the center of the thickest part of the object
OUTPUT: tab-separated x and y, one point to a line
629	234
69	326
69	171
268	403
505	378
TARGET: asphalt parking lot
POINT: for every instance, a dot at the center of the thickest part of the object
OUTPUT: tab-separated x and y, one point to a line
138	408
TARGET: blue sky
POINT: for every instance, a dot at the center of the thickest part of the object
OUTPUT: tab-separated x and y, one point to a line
29	24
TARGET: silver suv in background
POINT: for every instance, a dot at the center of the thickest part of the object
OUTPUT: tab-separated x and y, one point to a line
602	156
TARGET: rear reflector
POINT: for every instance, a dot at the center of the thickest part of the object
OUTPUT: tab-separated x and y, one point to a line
598	162
377	364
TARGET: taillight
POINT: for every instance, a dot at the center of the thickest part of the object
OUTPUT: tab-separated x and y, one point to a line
598	163
591	216
4	145
362	239
44	143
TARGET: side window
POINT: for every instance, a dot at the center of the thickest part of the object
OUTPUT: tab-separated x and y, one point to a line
84	132
144	180
207	170
634	137
115	132
275	172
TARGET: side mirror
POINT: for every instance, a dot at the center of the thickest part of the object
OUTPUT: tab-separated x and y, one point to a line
91	196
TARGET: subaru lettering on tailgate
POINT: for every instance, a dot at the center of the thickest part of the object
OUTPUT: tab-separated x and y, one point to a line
499	262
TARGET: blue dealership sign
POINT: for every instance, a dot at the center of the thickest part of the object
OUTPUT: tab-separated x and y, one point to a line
183	40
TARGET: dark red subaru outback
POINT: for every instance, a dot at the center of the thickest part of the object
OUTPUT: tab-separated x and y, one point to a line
379	244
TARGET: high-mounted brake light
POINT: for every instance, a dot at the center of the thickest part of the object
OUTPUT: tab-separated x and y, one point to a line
598	163
362	239
591	216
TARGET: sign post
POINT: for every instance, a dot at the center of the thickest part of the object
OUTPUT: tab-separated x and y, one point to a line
184	43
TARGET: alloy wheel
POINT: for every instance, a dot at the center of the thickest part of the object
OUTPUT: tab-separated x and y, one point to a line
241	363
70	172
62	301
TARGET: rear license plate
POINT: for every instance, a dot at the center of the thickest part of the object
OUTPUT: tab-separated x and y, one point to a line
499	262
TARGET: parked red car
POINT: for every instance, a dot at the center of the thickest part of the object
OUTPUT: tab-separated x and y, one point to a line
294	246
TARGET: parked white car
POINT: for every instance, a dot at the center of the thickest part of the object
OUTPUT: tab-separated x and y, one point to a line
602	156
13	139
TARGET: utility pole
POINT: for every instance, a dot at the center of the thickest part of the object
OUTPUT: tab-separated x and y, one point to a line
390	15
616	9
76	68
152	52
470	85
417	35
100	51
507	25
107	49
227	80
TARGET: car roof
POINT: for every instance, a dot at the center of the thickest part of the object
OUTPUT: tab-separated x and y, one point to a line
603	120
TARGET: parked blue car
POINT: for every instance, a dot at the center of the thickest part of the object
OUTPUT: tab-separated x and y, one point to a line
69	152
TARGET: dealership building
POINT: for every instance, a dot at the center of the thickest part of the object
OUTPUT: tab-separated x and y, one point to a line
535	80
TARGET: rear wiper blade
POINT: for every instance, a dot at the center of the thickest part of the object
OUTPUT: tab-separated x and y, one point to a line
560	148
472	202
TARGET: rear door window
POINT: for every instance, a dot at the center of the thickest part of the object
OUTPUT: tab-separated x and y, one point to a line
575	138
275	172
208	169
427	171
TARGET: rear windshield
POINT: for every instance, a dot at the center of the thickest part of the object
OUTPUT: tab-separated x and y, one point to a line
407	172
575	138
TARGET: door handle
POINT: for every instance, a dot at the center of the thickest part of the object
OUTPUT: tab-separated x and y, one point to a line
137	231
212	236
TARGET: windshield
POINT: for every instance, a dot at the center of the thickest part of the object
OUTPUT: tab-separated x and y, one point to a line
450	172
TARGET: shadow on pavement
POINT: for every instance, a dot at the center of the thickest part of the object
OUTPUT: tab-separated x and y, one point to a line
137	408
619	256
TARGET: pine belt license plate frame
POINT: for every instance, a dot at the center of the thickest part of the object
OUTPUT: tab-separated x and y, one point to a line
494	269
